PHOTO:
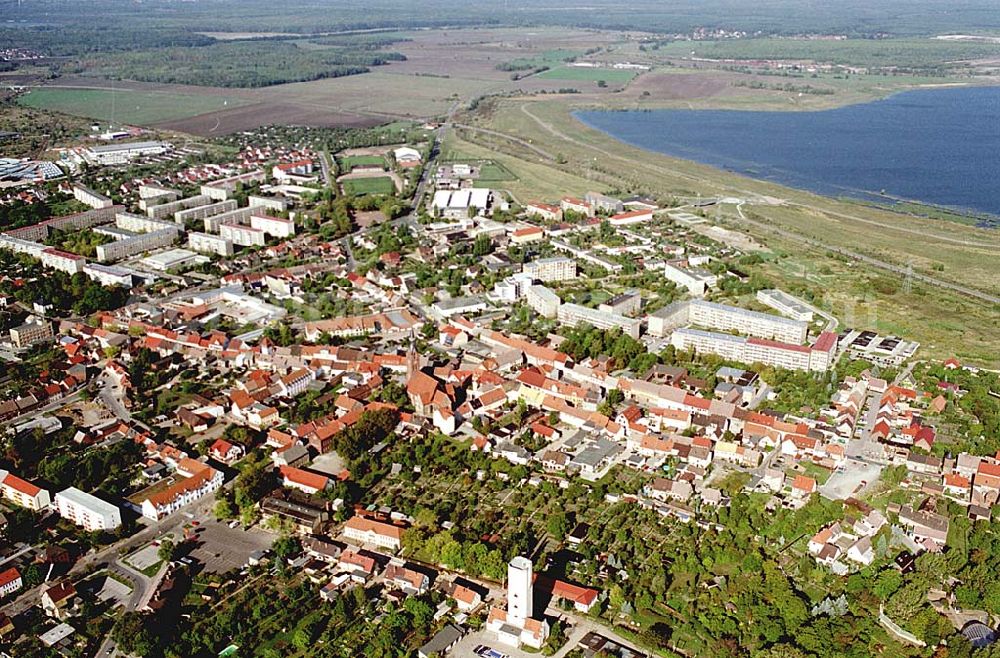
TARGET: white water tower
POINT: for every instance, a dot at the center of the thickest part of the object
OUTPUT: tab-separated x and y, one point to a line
519	591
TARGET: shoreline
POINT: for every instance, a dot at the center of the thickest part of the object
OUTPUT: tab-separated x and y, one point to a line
771	174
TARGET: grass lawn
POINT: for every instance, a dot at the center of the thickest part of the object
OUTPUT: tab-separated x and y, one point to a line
350	162
585	74
137	107
491	171
361	186
818	473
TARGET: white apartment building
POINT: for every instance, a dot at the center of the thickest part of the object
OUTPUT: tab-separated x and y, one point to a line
87	511
136	245
726	318
62	261
210	244
244	236
201	212
558	268
274	226
543	301
19	246
574	314
23	493
188	490
696	281
276	203
108	275
168	209
786	304
367	531
817	357
87	196
139	224
238	216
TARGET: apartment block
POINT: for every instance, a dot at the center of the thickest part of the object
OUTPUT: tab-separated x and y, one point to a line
273	226
201	212
558	268
574	314
244	236
696	281
139	224
87	511
87	196
818	357
543	301
726	318
138	244
210	244
165	210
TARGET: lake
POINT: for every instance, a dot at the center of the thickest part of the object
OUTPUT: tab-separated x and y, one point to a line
937	146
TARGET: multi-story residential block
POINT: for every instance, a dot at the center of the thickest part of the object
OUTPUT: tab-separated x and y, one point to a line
87	511
203	481
87	196
545	211
32	332
244	236
786	304
108	275
63	261
274	226
275	203
23	493
139	224
574	314
627	303
558	268
818	357
211	244
168	209
543	300
726	318
696	281
238	216
201	212
121	249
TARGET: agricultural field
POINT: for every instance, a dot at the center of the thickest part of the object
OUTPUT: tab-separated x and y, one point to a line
587	74
363	186
127	106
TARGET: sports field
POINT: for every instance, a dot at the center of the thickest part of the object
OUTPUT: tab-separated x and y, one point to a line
586	74
361	186
126	106
350	162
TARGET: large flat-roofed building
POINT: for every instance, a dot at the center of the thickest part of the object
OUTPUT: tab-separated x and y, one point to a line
173	259
87	196
273	226
116	154
138	244
210	244
63	261
786	304
696	281
455	204
817	357
238	216
165	210
543	301
883	350
726	318
87	511
201	212
244	236
108	275
139	224
574	314
275	203
558	268
627	303
31	333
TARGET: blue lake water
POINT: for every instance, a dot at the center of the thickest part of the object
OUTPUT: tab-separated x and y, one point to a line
938	146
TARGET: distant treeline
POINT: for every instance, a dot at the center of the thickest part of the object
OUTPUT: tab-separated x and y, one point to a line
236	64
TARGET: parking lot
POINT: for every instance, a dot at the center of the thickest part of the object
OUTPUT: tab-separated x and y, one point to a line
221	548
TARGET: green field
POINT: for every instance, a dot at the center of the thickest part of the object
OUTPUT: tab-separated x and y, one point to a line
361	186
578	74
136	107
350	162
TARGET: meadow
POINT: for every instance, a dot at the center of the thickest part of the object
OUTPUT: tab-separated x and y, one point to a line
587	74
